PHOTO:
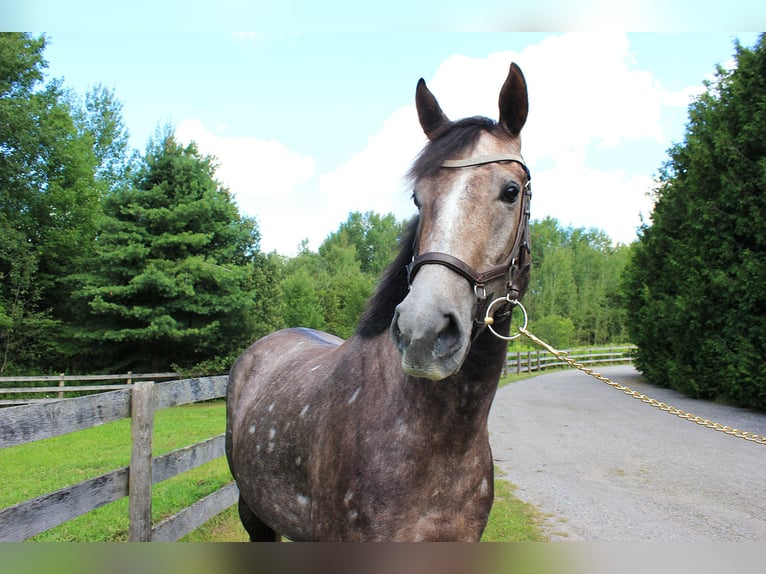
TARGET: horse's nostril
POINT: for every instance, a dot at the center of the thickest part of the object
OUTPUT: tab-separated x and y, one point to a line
396	334
449	338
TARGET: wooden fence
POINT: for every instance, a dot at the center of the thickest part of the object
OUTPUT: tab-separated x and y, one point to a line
529	361
61	381
28	423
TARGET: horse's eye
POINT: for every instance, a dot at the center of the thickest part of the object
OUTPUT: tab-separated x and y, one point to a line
415	201
510	193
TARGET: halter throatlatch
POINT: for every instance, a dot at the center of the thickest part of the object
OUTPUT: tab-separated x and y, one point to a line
515	268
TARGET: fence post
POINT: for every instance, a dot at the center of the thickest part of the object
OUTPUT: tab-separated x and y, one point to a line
518	362
130	379
140	478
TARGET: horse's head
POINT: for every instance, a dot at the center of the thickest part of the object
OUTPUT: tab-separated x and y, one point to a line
471	188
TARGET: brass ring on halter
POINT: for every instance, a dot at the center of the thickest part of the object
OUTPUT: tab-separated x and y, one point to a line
489	319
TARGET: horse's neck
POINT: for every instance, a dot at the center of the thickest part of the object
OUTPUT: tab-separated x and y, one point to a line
460	403
480	374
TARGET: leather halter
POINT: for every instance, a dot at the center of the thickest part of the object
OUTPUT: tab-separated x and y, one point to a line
515	267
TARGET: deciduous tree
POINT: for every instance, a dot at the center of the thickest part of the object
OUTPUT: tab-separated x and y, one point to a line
49	202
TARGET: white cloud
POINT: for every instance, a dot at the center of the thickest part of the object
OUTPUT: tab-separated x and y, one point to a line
585	94
253	169
374	178
612	201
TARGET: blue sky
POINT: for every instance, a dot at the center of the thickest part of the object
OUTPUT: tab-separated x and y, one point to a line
310	124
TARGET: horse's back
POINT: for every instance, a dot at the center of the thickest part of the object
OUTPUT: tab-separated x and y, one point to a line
277	349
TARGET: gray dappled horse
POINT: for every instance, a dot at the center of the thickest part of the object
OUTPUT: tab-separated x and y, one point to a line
384	436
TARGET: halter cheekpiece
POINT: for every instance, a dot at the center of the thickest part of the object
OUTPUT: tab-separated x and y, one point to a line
515	267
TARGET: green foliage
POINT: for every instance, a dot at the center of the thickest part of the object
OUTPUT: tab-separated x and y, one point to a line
328	290
109	261
554	329
575	281
173	280
301	301
49	203
375	239
694	287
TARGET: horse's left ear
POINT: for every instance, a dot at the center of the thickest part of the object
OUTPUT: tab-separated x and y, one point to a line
513	101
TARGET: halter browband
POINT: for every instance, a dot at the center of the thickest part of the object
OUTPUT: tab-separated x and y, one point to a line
482	159
515	266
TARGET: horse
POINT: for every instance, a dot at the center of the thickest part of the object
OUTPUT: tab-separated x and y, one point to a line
383	436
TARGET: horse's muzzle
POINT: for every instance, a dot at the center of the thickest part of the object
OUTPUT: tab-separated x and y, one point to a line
432	338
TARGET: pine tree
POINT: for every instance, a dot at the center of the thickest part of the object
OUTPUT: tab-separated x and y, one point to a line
175	279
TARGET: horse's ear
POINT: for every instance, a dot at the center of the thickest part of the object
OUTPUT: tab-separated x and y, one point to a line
432	118
513	101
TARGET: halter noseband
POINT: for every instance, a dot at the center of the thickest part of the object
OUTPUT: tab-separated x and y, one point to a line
515	266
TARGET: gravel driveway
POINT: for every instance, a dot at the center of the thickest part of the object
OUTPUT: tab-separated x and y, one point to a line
603	466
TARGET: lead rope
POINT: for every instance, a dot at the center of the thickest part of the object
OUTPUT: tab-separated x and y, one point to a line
563	356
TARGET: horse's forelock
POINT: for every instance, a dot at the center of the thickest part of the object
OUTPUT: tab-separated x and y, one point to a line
451	144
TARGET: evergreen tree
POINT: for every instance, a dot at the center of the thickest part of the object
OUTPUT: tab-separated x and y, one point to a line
175	279
695	287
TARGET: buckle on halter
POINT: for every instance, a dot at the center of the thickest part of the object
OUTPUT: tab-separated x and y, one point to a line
480	290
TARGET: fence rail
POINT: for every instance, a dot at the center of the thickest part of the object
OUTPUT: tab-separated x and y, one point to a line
23	424
539	360
62	387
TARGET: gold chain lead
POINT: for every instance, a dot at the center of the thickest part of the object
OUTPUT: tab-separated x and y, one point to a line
562	355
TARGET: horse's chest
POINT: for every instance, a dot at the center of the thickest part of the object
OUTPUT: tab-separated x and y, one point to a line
404	492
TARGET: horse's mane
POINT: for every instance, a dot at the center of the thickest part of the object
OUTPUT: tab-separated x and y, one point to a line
393	286
391	290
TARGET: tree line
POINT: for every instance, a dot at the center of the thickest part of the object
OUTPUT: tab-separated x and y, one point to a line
111	259
114	260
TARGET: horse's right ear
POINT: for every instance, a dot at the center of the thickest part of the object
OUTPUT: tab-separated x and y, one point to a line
432	118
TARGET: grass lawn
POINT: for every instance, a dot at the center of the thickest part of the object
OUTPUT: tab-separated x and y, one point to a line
41	467
37	468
